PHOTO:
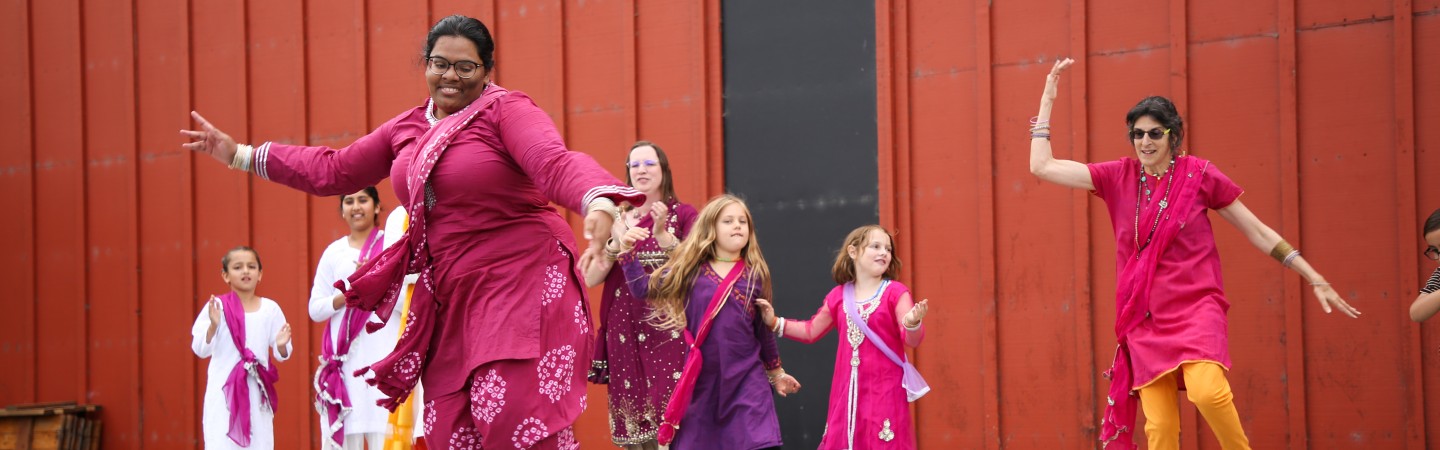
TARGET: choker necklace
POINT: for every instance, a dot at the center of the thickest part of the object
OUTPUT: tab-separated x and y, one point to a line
718	258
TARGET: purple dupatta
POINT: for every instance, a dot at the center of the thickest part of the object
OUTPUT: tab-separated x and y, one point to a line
915	385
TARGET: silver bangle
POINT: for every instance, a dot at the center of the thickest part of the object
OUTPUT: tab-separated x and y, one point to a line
604	204
1290	258
917	326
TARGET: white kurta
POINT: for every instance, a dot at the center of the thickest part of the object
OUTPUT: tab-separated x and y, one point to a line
336	263
260	329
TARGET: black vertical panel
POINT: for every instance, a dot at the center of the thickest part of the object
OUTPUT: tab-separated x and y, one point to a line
800	148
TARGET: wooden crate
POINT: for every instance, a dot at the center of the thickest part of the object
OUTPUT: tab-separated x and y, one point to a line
49	426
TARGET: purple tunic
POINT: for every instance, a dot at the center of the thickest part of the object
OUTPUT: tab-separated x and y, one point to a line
732	407
633	357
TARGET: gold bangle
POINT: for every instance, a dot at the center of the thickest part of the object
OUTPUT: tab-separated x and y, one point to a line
1281	250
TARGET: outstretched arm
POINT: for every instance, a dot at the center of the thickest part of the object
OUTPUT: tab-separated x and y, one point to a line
1267	240
807	331
1042	160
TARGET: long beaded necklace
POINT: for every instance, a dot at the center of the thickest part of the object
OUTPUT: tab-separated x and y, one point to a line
1164	203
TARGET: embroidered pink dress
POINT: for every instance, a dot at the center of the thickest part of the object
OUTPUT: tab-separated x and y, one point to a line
1184	319
635	359
506	363
882	418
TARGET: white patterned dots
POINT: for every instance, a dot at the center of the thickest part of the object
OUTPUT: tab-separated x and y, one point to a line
556	370
529	432
554	285
465	438
487	397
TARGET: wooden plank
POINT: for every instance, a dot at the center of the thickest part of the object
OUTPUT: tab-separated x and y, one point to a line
1407	221
166	254
60	292
17	178
1288	88
112	346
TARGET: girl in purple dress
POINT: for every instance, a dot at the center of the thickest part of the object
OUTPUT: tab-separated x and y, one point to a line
878	320
634	357
707	294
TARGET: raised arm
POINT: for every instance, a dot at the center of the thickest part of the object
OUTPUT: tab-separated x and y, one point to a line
316	170
1267	240
202	333
1042	160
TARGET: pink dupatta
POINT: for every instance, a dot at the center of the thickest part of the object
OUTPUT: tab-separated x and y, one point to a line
237	385
332	399
378	283
1132	297
685	388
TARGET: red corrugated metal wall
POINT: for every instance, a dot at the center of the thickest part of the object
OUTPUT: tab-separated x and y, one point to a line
1312	106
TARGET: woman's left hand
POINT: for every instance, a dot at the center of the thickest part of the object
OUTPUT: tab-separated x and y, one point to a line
1329	298
786	385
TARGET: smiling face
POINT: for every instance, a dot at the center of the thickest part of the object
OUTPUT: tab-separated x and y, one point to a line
873	259
1150	151
451	92
359	210
242	270
732	229
645	171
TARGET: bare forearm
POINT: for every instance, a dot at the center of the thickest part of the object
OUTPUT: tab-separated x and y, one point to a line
1425	306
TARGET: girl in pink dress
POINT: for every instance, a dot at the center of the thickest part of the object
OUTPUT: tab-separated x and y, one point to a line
879	319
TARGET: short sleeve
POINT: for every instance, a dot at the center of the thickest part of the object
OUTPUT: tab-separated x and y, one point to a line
1219	190
1106	176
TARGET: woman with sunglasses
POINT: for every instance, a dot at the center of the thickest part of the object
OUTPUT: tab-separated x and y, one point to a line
498	326
636	360
1170	325
1428	303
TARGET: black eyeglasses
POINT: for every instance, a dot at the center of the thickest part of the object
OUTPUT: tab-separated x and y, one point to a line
1432	253
1154	134
463	69
638	162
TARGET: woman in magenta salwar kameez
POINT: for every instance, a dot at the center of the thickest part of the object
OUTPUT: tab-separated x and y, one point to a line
873	385
498	328
1171	326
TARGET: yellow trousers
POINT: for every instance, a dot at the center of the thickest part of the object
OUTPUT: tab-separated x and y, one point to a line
1207	388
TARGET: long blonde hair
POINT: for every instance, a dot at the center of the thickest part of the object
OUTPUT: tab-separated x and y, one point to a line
671	284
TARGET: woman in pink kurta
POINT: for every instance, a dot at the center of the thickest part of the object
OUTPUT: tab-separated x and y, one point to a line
499	328
1170	300
873	385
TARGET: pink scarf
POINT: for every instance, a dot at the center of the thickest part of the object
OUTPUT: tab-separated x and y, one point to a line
376	286
332	400
685	388
1132	298
237	387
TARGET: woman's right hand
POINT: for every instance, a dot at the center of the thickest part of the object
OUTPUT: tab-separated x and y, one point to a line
767	312
210	140
633	235
1052	80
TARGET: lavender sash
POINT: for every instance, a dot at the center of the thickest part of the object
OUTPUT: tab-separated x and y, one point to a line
376	286
915	385
1132	299
237	386
332	399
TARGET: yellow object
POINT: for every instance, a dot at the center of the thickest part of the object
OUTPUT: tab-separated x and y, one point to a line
401	435
1207	388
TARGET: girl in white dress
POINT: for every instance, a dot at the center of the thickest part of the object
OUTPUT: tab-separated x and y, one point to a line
240	382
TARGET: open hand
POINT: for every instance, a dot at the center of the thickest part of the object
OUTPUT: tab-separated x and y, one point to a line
917	313
633	235
767	312
283	337
1052	80
214	307
1329	298
209	140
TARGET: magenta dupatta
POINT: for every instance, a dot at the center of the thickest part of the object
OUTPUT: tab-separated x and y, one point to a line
685	388
237	386
1132	297
377	284
332	399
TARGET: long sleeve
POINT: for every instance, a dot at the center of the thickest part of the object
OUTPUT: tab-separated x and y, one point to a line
635	277
325	171
322	292
277	321
199	330
902	307
568	178
809	331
